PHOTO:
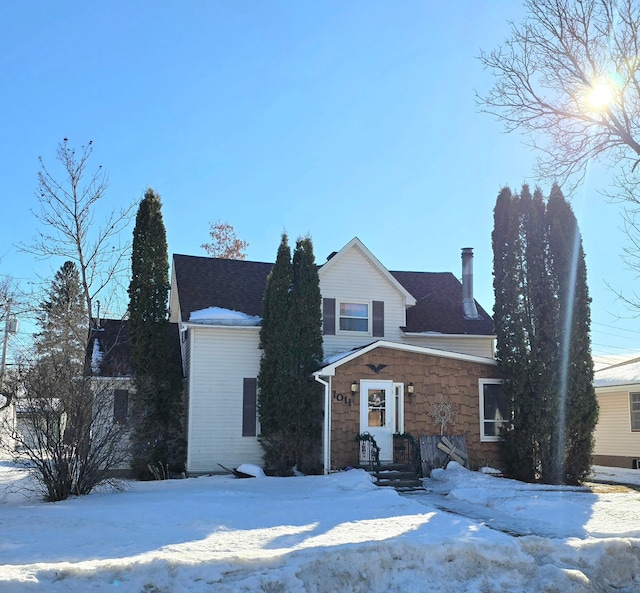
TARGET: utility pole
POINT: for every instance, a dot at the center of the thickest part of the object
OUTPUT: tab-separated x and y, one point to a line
10	326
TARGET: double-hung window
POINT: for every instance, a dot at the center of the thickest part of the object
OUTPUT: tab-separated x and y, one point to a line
354	317
494	412
634	407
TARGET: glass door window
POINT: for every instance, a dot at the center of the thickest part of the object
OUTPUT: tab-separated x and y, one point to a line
377	407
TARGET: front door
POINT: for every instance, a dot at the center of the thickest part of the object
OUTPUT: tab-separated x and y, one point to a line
377	414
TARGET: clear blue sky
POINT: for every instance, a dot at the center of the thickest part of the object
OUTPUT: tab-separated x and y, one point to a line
336	119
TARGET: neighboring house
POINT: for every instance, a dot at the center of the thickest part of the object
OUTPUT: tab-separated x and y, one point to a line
111	364
8	422
405	352
617	434
35	418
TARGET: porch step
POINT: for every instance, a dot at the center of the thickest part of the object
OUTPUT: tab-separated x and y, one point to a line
402	478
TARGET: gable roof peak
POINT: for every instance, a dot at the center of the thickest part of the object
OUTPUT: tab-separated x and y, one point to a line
355	243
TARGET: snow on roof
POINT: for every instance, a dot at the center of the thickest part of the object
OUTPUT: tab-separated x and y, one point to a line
336	357
627	373
219	316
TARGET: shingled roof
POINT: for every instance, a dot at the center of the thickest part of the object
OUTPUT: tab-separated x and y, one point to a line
226	283
112	336
113	340
238	285
438	305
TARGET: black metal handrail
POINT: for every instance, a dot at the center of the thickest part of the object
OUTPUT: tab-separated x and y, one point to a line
406	450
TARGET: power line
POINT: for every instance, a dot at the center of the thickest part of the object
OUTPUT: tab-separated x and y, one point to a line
624	329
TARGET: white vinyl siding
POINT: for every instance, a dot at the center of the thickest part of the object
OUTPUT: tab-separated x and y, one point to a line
613	433
473	345
355	279
221	358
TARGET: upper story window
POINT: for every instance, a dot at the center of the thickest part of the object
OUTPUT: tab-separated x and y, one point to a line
354	317
494	412
634	406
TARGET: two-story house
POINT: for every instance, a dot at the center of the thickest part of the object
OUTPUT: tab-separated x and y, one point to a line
401	348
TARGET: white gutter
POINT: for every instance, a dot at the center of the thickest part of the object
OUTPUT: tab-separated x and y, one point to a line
326	436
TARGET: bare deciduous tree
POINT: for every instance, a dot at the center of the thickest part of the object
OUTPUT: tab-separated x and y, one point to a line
568	76
69	207
66	434
224	242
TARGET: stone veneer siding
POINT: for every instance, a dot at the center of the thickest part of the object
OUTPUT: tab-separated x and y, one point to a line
433	377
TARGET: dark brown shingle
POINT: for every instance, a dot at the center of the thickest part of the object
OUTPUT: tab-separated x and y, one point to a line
205	282
113	340
238	285
438	305
112	336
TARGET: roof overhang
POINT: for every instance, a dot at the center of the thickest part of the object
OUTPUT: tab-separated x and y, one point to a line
184	325
617	387
329	370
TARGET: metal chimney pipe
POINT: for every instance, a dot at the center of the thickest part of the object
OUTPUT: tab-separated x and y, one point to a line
468	303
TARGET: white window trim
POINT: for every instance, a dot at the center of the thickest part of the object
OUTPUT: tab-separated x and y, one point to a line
631	394
398	395
481	383
346	332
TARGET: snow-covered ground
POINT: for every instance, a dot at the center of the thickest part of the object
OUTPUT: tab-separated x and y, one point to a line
318	534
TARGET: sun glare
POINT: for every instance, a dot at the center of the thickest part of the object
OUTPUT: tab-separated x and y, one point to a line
600	95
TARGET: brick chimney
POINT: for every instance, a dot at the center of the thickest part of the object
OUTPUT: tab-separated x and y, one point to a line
468	302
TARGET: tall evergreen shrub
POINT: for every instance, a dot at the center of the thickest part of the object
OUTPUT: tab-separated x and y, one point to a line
542	311
157	442
291	342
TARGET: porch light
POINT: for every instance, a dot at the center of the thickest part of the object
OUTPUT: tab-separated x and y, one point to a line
354	387
410	389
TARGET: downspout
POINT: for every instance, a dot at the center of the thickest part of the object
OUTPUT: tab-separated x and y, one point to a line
326	436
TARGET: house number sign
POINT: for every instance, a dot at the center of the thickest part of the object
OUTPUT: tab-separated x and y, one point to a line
341	397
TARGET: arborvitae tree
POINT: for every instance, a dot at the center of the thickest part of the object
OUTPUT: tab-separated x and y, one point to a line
534	259
291	342
541	307
273	401
157	442
305	330
578	410
510	324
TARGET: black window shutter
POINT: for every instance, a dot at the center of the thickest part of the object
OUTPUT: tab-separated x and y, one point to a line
329	317
120	406
378	319
249	407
